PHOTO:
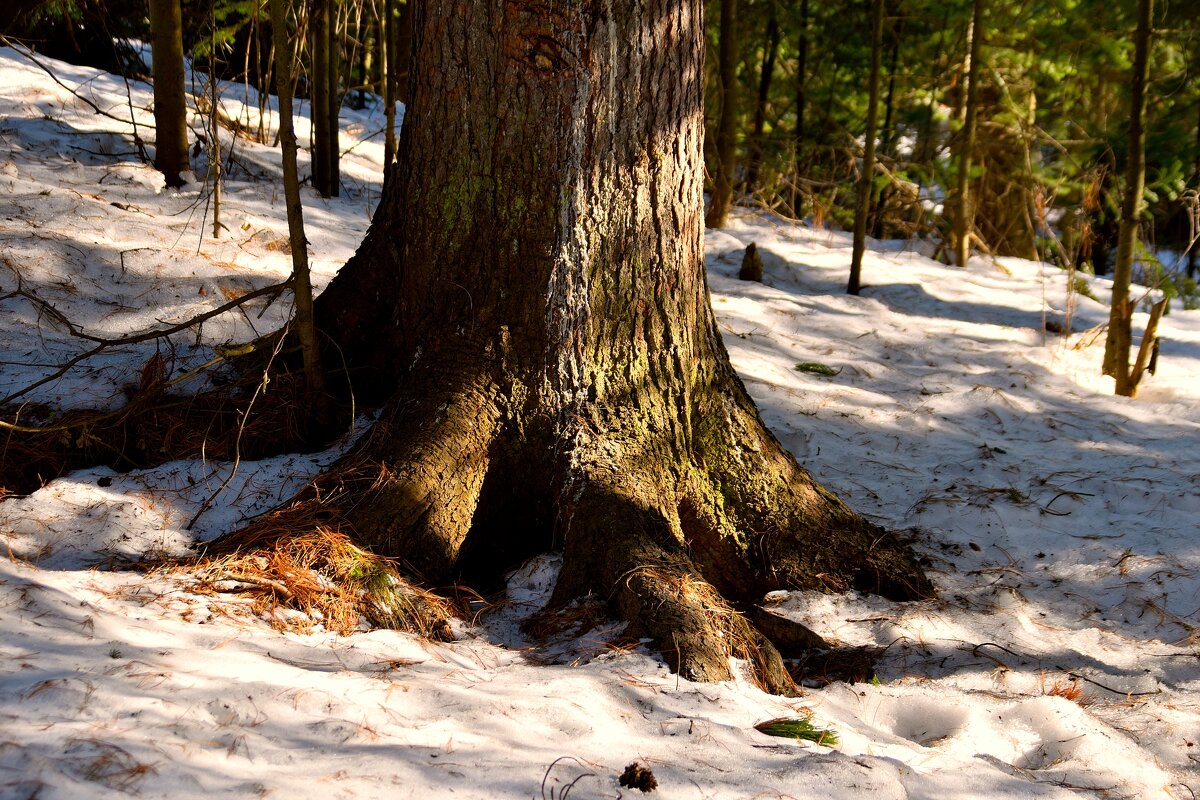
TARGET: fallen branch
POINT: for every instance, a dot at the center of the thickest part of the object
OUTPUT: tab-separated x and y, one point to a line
103	343
26	53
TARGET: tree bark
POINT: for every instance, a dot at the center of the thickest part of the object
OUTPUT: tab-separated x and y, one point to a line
961	223
866	180
170	105
770	51
333	127
403	51
319	21
1120	320
533	290
314	375
722	191
801	104
387	65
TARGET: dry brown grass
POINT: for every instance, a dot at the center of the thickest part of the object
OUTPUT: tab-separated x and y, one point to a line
1071	690
285	562
155	426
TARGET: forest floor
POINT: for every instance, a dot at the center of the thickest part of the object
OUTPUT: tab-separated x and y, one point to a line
1061	659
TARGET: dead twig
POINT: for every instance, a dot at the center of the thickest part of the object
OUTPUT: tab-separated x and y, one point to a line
103	343
237	442
26	53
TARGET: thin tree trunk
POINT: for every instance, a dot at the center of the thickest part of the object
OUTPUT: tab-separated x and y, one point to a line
333	113
722	192
926	149
170	104
801	104
1194	210
301	281
1120	320
866	180
319	95
214	129
801	77
962	200
887	134
387	65
770	51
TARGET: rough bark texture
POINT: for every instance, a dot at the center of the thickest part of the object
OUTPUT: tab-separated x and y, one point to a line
170	107
533	287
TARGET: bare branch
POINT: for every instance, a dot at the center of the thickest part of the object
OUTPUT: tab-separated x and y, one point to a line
28	54
103	343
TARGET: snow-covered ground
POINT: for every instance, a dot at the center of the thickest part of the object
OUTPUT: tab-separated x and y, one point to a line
1061	524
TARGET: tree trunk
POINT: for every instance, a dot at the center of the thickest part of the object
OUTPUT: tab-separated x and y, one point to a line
387	66
722	191
333	126
214	128
301	282
770	51
866	180
170	105
1120	320
404	49
1193	216
962	200
319	21
533	290
887	138
801	105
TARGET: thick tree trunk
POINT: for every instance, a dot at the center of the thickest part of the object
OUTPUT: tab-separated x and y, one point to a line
533	288
170	106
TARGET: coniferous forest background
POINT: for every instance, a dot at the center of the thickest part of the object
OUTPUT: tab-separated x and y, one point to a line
1046	170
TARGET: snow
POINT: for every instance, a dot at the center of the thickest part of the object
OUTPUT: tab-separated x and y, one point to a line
1059	521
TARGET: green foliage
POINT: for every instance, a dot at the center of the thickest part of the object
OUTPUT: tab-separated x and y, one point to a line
798	728
817	368
1172	283
219	24
1080	285
1053	116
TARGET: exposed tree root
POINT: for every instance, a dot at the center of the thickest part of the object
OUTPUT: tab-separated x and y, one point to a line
455	482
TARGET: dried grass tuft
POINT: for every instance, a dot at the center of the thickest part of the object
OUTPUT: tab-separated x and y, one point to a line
281	564
1071	690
